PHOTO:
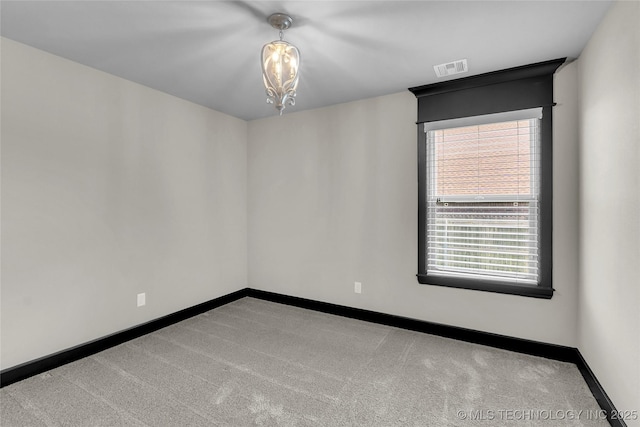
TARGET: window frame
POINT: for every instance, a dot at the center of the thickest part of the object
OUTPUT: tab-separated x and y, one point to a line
513	89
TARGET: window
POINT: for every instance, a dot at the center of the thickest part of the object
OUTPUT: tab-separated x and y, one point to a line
485	169
482	198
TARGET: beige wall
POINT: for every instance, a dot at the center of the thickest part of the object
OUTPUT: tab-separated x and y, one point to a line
109	189
609	313
333	200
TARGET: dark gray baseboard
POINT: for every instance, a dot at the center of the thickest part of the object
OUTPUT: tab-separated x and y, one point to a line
534	348
43	364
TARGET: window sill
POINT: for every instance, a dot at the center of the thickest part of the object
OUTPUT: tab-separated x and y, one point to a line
487	286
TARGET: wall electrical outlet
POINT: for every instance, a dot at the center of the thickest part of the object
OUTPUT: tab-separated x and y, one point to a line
142	299
357	287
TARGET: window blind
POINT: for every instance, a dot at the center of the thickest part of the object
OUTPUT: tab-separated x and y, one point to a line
483	197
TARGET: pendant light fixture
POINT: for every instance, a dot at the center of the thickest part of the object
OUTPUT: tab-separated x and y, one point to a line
280	63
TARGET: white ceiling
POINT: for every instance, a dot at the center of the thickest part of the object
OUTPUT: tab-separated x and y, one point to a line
208	51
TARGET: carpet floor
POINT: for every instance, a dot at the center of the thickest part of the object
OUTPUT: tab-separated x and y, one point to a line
253	362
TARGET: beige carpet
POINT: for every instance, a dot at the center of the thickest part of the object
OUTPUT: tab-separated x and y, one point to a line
253	362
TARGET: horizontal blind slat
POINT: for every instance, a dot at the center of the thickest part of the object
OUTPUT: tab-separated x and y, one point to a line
442	250
474	266
470	246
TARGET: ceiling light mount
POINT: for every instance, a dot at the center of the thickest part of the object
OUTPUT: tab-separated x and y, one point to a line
280	21
280	61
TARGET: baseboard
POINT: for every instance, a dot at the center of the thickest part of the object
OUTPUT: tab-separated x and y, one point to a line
598	391
38	366
519	345
534	348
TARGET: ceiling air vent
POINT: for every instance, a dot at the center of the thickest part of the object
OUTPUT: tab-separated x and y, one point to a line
451	68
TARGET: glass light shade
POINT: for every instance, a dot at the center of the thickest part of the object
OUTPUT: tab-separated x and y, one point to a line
280	63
